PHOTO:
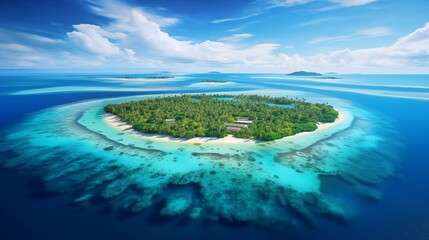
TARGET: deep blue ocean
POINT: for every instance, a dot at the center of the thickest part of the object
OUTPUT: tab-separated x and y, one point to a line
29	211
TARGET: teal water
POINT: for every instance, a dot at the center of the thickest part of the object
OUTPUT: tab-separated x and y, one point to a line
296	183
254	182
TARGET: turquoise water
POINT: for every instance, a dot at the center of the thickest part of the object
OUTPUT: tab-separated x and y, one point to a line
296	183
231	178
226	99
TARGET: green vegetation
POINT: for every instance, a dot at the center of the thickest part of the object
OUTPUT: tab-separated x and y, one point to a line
189	116
305	74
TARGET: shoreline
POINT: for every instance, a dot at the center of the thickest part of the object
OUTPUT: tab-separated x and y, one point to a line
115	122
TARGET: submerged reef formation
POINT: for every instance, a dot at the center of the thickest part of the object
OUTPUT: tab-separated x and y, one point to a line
176	204
265	183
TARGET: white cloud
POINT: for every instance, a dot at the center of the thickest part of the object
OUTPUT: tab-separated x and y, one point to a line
115	10
288	3
133	29
93	39
136	39
331	39
239	28
352	3
23	50
236	37
375	32
269	4
14	55
408	54
235	19
41	39
346	3
14	36
405	52
366	33
318	21
15	47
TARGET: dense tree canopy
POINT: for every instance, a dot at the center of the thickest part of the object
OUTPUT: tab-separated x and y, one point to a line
206	115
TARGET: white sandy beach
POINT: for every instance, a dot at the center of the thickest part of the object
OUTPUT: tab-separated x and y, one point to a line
115	122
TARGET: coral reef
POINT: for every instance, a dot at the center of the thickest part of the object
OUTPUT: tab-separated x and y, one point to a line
262	183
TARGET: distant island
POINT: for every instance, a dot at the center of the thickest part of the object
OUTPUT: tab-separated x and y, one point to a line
331	73
214	72
304	73
213	81
244	116
125	77
146	77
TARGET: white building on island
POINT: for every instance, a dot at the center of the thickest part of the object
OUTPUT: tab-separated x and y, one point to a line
244	121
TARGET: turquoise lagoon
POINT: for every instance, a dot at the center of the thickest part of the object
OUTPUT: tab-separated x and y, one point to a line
66	174
72	149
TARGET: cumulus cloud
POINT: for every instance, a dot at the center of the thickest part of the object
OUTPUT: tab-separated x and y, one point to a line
94	39
410	53
134	29
407	51
134	38
115	10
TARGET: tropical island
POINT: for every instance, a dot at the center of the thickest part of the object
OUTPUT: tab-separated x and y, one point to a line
305	74
243	116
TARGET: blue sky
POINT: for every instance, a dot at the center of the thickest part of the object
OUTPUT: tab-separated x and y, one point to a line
346	36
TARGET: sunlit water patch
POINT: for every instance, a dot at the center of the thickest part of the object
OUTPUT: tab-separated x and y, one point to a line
73	150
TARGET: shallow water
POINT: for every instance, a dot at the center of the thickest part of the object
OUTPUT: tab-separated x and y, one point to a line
317	185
